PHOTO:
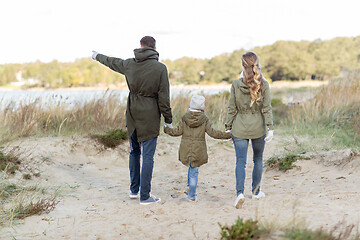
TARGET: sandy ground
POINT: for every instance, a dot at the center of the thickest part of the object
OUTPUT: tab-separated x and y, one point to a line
322	191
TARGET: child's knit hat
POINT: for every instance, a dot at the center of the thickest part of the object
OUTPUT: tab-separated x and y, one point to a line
197	102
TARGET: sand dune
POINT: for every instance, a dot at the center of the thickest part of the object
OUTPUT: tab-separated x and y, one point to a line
95	203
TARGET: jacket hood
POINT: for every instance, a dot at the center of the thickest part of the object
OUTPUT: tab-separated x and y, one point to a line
243	87
145	53
194	119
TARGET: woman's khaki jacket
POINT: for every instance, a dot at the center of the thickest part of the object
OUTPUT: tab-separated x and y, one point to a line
244	121
192	127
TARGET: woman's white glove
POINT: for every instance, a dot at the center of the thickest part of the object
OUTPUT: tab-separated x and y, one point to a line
94	55
269	136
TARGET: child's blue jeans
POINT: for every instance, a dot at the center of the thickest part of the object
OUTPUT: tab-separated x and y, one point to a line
193	174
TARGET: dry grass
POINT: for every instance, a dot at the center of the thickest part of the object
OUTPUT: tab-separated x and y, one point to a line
250	229
9	161
18	201
334	111
60	118
215	108
336	108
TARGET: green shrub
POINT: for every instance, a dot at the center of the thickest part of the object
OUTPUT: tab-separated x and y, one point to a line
241	230
9	162
26	176
307	234
112	138
320	234
284	163
275	102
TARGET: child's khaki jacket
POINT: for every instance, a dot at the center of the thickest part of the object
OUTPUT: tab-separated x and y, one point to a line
192	127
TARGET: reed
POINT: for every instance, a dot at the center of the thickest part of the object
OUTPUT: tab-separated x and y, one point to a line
333	112
336	108
215	108
60	118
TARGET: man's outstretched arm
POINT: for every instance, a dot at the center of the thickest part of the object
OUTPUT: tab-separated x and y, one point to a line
116	64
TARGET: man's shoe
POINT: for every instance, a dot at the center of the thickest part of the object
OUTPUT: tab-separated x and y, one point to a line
150	200
133	195
259	195
239	200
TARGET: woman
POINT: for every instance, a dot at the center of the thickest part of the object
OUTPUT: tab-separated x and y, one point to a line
249	117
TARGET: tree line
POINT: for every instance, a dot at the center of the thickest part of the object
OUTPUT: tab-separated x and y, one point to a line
283	60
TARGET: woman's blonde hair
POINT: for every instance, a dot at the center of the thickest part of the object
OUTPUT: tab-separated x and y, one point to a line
252	75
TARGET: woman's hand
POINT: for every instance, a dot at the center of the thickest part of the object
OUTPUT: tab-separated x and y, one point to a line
269	136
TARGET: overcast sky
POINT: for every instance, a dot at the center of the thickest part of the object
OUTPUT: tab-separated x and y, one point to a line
69	29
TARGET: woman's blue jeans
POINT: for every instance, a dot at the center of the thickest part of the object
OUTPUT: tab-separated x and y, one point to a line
241	147
193	174
141	179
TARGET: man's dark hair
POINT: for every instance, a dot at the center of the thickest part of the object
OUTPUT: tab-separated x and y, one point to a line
148	41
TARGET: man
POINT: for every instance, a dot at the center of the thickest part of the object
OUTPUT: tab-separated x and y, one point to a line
148	83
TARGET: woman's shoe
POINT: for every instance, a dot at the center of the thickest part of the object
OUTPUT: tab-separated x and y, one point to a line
239	200
259	195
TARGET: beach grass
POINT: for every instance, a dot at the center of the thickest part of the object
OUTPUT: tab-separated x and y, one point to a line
19	201
333	114
9	161
253	229
334	111
111	138
36	118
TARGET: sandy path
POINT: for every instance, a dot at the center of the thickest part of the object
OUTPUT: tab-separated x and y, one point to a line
96	205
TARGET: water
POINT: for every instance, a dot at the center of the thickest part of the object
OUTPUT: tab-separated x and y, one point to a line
65	97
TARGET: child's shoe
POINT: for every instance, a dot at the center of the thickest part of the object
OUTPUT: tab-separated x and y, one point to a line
259	195
239	200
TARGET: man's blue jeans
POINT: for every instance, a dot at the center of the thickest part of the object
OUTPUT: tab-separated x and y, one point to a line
141	179
241	147
193	174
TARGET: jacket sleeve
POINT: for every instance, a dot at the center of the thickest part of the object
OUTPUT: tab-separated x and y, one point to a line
175	132
116	64
232	111
164	96
217	134
267	109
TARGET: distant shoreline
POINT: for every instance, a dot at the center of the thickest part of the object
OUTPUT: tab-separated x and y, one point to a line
221	86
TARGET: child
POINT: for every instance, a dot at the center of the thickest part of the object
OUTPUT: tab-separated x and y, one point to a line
193	151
